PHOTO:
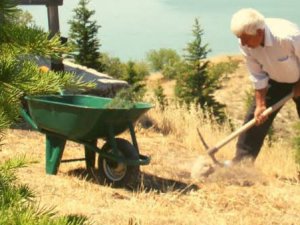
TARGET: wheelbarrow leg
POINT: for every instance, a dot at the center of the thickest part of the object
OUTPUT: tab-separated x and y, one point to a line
54	151
133	137
112	140
90	155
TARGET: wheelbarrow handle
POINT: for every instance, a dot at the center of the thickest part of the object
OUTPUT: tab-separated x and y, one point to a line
249	124
27	117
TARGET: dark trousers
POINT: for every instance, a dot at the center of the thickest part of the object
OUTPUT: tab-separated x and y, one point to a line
250	142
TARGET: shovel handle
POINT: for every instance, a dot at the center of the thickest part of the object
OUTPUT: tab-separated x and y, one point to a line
249	124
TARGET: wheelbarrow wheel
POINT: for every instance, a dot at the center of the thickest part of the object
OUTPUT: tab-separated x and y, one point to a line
119	174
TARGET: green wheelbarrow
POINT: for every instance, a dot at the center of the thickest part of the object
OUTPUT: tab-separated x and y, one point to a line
84	119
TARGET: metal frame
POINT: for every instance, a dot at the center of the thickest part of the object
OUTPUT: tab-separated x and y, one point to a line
55	145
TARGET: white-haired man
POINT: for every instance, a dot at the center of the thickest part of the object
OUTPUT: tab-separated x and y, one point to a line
272	51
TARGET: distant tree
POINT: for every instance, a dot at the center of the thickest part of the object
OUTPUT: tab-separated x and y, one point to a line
22	18
196	84
173	70
141	69
134	75
113	66
83	34
135	79
162	57
160	97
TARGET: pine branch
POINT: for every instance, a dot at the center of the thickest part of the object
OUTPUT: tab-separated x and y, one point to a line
7	11
32	41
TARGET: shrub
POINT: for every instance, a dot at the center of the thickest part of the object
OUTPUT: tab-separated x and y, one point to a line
160	97
173	70
113	66
158	59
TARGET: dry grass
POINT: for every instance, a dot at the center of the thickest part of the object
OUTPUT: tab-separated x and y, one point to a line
268	193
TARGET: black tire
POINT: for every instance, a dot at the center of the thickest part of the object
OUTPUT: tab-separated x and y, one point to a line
119	174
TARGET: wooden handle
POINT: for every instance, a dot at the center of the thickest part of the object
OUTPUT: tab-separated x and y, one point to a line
249	124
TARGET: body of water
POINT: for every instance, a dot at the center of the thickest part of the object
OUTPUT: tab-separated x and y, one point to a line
130	28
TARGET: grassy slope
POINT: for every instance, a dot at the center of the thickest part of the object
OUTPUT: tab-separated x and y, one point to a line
233	95
240	196
266	194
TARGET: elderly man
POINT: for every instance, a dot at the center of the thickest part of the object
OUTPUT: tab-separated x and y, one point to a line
272	51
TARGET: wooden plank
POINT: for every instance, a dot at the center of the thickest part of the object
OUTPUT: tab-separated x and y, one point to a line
40	2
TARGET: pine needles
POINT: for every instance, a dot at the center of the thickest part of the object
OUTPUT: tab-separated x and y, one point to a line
17	203
125	98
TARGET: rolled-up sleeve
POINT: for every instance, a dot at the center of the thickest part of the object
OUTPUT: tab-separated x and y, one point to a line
258	77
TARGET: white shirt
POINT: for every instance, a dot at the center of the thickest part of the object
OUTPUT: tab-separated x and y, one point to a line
279	58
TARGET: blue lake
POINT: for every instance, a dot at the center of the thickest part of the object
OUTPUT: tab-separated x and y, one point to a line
130	28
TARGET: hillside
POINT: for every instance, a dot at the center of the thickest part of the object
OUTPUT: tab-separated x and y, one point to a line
233	95
241	196
171	190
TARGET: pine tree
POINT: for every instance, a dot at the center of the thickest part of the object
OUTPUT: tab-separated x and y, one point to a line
83	33
19	75
196	84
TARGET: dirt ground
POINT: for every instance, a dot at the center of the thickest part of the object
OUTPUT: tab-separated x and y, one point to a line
169	195
171	190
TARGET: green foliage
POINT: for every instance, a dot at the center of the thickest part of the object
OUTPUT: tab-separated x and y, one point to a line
22	77
135	78
131	72
141	69
18	205
161	58
196	50
223	69
113	66
196	83
160	97
172	71
22	18
18	75
126	98
83	34
7	11
22	40
134	74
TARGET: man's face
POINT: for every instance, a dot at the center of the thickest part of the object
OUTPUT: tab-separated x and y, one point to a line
252	41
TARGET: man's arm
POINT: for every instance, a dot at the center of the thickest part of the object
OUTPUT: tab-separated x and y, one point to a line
296	46
260	82
297	89
261	106
258	77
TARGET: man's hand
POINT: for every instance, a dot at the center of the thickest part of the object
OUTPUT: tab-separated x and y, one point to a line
260	99
259	117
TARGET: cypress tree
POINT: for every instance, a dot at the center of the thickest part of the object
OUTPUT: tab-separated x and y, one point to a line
83	34
196	84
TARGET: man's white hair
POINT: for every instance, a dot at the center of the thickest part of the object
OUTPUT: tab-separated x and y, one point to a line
247	21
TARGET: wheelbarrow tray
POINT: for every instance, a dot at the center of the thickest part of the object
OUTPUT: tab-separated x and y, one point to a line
81	117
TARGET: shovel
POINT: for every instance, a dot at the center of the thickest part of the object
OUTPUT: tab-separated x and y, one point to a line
213	150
